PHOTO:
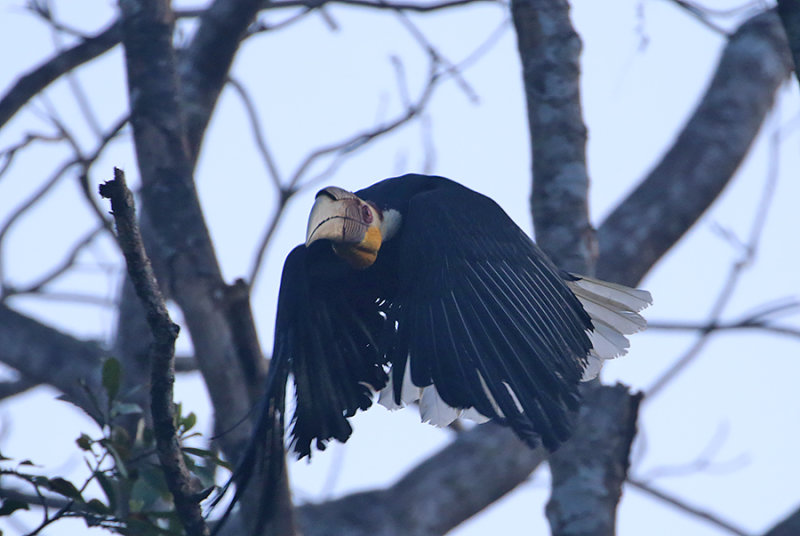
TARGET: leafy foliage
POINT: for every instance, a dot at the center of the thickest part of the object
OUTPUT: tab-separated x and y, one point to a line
133	499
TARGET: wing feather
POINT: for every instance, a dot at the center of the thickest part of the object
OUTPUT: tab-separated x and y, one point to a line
485	317
326	331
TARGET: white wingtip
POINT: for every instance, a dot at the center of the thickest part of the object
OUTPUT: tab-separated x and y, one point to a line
432	409
614	310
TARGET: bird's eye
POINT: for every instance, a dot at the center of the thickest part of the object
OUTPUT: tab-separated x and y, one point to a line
366	214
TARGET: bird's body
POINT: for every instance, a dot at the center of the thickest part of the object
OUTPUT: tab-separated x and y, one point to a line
454	297
419	288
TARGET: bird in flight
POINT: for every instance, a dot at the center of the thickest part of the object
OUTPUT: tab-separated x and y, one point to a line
418	289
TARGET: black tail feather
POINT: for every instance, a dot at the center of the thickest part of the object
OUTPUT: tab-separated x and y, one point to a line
263	456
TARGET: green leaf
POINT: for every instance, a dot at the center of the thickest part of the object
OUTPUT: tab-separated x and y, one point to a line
97	506
112	375
148	490
126	408
9	506
207	455
119	462
64	487
153	477
84	442
108	488
189	421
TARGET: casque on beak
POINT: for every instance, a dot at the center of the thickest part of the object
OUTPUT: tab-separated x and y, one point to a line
352	225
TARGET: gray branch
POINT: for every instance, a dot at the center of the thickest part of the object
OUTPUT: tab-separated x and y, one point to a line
476	469
173	224
789	12
32	83
705	156
206	63
790	526
164	331
549	50
42	354
589	469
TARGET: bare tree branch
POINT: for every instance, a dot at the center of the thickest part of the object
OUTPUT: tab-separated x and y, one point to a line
13	388
206	63
36	351
31	84
9	153
790	526
589	469
32	200
162	351
704	157
58	270
394	6
258	132
85	162
695	511
338	151
549	51
437	495
789	12
726	326
726	293
166	153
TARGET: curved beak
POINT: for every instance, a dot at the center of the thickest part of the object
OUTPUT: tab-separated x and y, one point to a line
352	225
336	216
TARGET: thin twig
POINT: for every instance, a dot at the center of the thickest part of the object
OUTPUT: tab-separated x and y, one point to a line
701	16
432	51
9	153
396	6
258	131
64	266
703	462
44	10
710	328
340	150
72	80
734	273
686	507
32	83
37	196
261	26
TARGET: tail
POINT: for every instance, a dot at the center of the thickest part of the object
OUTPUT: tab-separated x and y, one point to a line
614	310
263	456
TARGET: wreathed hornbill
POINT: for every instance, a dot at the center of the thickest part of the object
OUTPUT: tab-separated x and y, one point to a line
420	289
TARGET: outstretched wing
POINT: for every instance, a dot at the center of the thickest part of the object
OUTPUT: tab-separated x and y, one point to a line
485	317
325	330
327	325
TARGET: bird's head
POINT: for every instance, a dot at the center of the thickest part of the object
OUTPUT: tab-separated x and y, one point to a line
356	228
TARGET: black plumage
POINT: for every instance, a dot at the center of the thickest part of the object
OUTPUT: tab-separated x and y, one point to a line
456	291
461	290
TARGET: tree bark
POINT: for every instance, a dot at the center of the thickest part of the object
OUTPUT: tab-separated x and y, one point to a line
45	355
549	50
789	12
704	157
171	211
589	470
476	469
